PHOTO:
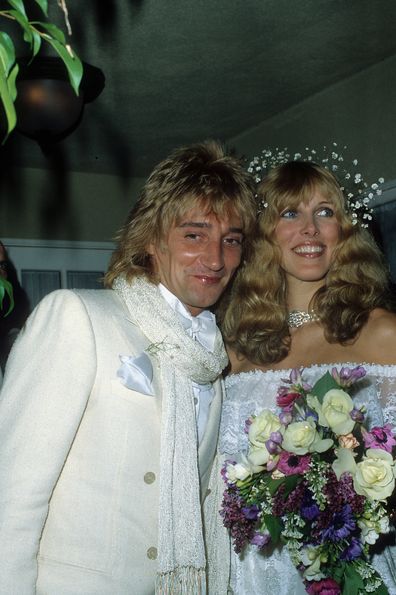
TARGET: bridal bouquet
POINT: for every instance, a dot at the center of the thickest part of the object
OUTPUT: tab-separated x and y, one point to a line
315	479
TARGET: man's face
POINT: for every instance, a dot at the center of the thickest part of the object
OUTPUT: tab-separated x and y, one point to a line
198	257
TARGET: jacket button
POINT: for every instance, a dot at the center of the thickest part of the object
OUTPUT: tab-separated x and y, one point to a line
149	477
152	553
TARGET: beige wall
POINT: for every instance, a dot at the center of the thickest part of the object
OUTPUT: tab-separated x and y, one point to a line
82	206
359	112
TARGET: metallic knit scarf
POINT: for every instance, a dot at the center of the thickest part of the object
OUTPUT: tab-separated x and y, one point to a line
181	550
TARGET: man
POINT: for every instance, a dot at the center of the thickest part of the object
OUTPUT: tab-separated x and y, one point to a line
110	406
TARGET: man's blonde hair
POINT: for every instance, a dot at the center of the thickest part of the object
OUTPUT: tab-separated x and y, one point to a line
200	174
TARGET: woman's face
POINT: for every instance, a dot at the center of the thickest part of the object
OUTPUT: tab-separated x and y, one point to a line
307	236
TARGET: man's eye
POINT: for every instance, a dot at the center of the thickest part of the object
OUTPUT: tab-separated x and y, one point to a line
233	241
192	236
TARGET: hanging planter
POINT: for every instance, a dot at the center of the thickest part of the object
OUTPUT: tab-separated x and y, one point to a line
33	33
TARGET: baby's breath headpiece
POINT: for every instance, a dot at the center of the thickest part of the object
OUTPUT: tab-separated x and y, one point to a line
357	191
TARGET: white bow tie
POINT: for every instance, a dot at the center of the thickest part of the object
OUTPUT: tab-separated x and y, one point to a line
202	328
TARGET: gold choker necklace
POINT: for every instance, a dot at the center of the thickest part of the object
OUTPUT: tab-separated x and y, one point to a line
297	318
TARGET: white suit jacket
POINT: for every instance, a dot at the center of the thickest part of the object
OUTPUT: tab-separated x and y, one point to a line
79	454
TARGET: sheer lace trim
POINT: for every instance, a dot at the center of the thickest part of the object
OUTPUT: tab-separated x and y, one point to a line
385	370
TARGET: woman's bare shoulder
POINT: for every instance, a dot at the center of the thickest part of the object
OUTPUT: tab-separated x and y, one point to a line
379	337
381	321
238	362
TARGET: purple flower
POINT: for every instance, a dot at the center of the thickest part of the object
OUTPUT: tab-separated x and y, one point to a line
379	437
312	414
251	512
357	415
347	376
309	509
248	423
274	442
353	550
241	528
260	539
291	464
285	417
223	471
341	525
310	512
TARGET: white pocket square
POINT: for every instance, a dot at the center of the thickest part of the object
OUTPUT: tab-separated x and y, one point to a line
136	373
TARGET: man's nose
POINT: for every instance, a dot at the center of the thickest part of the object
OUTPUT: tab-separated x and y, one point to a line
213	256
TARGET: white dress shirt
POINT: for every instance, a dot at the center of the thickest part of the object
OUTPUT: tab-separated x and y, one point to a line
202	328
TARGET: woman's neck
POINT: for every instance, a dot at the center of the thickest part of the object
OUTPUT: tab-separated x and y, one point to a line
300	293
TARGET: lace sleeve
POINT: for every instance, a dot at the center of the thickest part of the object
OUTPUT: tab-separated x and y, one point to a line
386	393
377	392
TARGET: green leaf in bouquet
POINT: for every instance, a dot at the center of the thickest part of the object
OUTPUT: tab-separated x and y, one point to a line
323	385
338	572
353	582
289	481
274	526
381	590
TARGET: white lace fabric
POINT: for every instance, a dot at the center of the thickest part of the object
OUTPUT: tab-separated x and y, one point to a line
249	393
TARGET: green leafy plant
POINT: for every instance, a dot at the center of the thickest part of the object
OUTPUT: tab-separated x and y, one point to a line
6	289
34	33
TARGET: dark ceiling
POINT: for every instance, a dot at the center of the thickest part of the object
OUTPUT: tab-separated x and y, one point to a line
181	71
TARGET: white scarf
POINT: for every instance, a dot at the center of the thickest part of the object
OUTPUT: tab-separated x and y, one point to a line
181	550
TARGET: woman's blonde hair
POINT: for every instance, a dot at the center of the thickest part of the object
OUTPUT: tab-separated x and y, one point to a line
200	174
254	322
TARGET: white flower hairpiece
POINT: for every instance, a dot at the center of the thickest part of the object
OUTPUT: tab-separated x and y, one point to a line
357	191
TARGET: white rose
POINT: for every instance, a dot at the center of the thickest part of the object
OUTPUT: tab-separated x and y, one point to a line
301	437
241	470
258	456
336	408
375	475
262	427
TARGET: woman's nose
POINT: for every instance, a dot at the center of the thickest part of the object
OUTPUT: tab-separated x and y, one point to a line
310	226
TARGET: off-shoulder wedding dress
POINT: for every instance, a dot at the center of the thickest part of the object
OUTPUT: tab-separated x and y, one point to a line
247	393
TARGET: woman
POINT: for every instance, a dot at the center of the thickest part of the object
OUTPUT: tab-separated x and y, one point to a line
314	296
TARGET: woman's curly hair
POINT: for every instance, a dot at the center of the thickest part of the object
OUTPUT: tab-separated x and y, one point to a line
253	316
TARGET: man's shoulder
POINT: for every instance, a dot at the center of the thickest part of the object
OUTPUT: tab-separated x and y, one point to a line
94	296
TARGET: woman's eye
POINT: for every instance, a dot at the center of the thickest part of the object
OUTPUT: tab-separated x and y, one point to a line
289	214
325	212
